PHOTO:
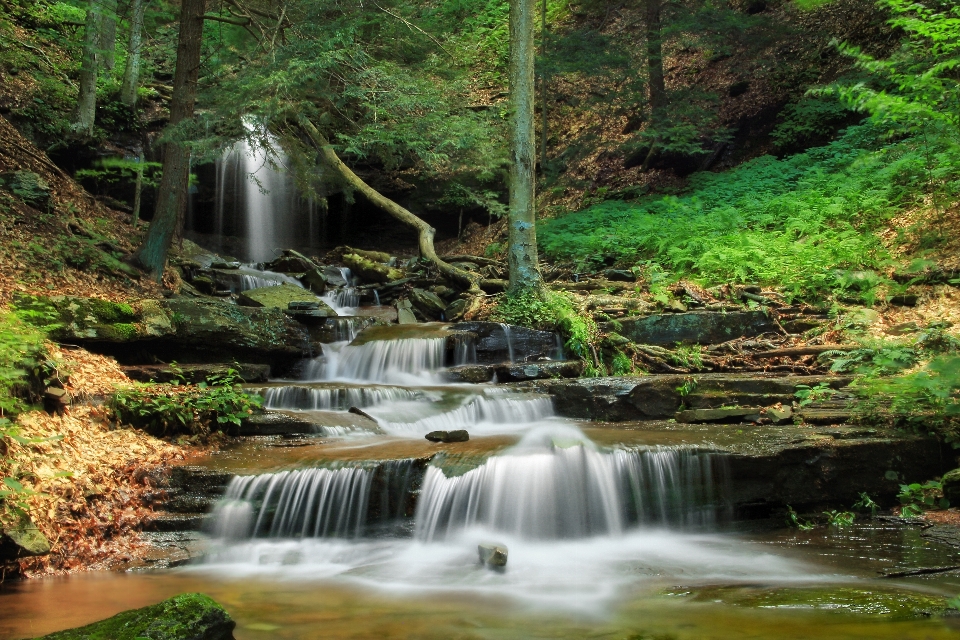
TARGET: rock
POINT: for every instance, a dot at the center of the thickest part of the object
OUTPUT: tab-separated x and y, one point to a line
405	312
83	319
951	487
273	423
56	400
675	306
194	373
357	411
446	293
619	275
428	303
492	555
291	262
469	373
371	271
743	414
315	281
614	339
455	310
383	313
219	264
280	297
529	345
29	187
303	305
905	300
862	317
778	415
22	539
334	276
698	327
189	616
902	329
154	321
539	370
458	435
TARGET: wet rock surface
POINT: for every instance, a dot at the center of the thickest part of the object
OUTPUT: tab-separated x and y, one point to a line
457	435
701	327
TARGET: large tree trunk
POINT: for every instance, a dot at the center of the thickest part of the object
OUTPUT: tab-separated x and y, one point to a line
108	35
655	77
425	231
131	71
522	250
87	100
172	193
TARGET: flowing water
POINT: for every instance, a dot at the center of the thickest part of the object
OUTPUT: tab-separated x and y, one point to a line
372	532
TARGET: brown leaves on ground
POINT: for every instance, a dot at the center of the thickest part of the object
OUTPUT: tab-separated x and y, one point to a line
86	375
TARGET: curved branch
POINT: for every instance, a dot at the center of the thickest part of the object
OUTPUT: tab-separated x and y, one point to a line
425	231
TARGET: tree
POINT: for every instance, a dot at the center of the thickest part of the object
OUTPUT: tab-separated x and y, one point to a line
89	64
522	249
131	71
108	35
172	193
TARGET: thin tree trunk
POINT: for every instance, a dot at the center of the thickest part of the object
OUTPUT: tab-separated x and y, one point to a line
655	75
87	100
425	231
138	190
172	193
522	250
131	71
543	87
108	35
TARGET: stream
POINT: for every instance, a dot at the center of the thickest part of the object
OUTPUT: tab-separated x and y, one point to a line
357	532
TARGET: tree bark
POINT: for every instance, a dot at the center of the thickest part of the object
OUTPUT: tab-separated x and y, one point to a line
522	250
131	71
425	231
86	112
655	76
108	35
172	193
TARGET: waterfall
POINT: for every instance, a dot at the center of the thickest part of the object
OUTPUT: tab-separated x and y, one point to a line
379	360
316	503
541	490
335	399
265	279
508	337
257	198
499	412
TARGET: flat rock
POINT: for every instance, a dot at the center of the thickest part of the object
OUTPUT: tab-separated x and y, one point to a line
699	327
469	373
945	533
189	616
458	435
274	423
281	296
194	373
538	370
428	303
22	539
742	414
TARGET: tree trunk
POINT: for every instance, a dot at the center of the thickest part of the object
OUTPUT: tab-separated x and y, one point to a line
108	35
131	72
522	251
425	231
655	76
87	100
172	193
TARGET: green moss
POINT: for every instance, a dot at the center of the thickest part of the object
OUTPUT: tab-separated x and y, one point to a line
118	331
189	616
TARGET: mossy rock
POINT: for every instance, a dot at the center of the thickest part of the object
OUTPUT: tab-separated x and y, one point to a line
81	318
29	187
280	297
22	539
189	616
951	486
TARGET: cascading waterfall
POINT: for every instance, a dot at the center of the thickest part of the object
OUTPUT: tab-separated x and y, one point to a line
543	490
508	338
500	413
265	279
253	189
379	360
336	399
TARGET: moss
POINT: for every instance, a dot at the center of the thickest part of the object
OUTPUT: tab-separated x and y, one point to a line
189	616
118	331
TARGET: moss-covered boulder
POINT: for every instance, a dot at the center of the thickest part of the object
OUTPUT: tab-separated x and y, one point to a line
22	539
81	319
371	271
693	328
951	486
280	297
190	616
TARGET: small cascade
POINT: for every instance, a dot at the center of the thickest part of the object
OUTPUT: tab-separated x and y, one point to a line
555	484
478	414
258	279
379	361
301	398
317	503
345	329
345	298
508	337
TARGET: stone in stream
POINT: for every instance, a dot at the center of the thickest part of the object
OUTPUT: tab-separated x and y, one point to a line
428	303
405	312
493	556
280	297
458	435
740	414
21	539
189	616
291	262
315	281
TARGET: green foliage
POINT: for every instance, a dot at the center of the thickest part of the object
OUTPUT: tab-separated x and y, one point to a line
866	502
21	348
809	118
793	520
916	498
622	365
806	394
688	356
791	223
839	519
552	311
689	386
111	171
171	409
875	357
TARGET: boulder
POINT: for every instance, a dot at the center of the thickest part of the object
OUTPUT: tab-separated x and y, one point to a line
281	296
189	616
455	310
492	555
371	271
315	281
273	423
334	276
951	487
494	342
22	539
458	435
428	303
291	262
405	312
698	327
539	370
469	373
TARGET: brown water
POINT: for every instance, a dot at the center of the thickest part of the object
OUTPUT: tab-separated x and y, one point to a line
845	601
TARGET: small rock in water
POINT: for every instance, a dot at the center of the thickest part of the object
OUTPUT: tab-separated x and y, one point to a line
458	435
405	312
492	555
303	305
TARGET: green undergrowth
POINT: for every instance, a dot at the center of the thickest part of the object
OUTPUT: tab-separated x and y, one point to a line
553	311
21	351
181	409
803	223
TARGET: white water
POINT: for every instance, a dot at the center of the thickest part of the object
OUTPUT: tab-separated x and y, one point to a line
411	361
479	414
252	278
303	398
